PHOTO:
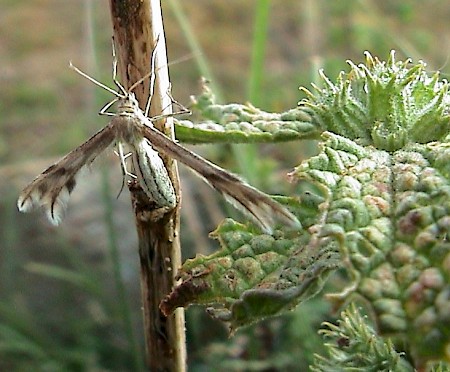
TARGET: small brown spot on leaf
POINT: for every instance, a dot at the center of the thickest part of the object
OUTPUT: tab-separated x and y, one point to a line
409	223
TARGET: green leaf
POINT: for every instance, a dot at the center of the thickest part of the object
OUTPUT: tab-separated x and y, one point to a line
391	213
256	275
380	209
235	123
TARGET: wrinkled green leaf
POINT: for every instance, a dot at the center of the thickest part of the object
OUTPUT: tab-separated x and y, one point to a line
380	209
235	123
391	213
254	275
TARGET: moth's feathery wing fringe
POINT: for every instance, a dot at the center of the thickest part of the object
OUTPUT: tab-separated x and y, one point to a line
52	188
261	207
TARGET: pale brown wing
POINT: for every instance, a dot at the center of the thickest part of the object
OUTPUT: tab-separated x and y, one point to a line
52	188
261	207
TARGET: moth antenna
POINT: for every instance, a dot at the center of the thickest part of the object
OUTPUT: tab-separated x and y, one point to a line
96	82
140	81
152	76
185	58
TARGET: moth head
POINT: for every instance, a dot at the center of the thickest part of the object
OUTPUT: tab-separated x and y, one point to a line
131	98
127	104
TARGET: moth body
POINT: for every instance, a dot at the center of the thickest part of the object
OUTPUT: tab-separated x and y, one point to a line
130	126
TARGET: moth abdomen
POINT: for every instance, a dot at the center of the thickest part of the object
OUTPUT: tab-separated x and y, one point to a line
153	176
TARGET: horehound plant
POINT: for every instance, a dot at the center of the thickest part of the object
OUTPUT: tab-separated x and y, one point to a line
378	209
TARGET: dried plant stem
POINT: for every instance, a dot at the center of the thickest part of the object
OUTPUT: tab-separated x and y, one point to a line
137	25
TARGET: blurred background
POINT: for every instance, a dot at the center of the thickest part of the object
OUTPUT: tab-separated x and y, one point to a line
70	296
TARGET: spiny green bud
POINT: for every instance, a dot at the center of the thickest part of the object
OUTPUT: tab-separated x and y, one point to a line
385	104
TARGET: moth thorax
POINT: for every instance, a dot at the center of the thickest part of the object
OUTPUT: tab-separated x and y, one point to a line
127	128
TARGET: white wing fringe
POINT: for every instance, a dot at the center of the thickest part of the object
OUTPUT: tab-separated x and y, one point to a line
51	192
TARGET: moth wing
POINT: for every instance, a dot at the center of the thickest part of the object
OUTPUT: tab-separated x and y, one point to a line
52	188
258	205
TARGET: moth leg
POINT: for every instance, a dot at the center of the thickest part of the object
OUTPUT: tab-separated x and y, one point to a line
104	109
123	157
152	78
114	70
182	109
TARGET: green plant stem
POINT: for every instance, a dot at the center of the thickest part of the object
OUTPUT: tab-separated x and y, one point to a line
258	51
194	45
247	156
